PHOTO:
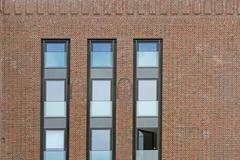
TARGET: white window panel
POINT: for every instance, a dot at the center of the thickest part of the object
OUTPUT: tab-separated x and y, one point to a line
101	90
101	109
147	90
55	109
101	140
147	108
54	140
55	90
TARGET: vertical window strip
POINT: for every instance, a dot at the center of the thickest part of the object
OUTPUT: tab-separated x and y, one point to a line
101	101
55	99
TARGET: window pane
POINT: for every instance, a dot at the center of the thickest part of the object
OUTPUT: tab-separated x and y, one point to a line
147	155
147	139
101	109
147	90
100	155
55	90
147	46
147	59
55	109
147	108
54	139
100	140
101	90
101	59
101	47
54	155
55	47
55	59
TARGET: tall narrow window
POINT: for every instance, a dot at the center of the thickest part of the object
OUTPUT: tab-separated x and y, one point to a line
101	100
147	79
55	100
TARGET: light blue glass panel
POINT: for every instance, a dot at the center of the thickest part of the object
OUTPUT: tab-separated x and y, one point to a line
101	109
100	155
54	155
147	46
101	59
101	47
147	108
55	59
147	155
55	47
101	140
55	90
147	90
55	109
55	139
147	59
101	90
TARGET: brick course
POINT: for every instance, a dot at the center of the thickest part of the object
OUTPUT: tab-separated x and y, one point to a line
201	87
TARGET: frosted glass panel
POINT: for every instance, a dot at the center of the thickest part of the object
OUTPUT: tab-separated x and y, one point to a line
100	140
54	155
54	139
55	90
101	90
147	155
100	155
147	59
101	108
55	109
147	108
147	90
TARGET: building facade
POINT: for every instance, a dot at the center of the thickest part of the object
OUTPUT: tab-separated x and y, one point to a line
119	80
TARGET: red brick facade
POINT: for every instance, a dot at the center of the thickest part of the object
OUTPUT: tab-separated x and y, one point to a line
201	64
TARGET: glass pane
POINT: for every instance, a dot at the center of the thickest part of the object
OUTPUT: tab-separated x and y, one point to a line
101	109
147	139
54	139
101	47
55	90
55	109
147	46
55	59
100	155
54	155
147	108
101	59
147	155
147	90
101	90
100	140
55	47
147	59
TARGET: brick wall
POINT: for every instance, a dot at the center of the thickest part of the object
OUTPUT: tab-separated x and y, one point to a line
201	86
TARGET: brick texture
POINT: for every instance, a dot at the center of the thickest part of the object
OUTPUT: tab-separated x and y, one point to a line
201	63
